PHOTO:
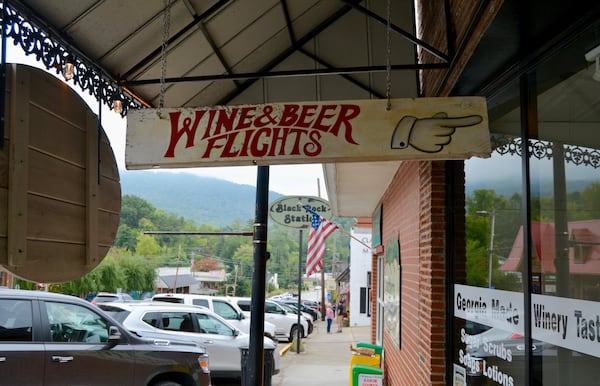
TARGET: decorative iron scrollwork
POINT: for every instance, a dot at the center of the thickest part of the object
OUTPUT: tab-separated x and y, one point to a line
47	48
505	144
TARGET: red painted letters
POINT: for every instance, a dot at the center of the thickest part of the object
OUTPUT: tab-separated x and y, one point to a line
262	130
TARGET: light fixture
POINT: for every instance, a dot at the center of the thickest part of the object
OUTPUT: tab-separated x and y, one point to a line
116	102
68	68
594	55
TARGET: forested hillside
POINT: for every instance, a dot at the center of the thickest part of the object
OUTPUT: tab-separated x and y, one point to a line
204	200
135	254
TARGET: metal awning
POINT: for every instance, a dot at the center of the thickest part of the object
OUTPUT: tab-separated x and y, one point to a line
207	53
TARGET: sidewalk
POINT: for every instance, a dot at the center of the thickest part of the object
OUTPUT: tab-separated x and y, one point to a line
325	359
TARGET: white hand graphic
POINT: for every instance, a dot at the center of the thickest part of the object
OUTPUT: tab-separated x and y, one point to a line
429	135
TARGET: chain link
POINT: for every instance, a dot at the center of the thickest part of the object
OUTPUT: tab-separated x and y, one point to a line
163	54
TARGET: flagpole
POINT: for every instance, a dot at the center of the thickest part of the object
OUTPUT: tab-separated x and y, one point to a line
323	308
342	230
349	235
299	329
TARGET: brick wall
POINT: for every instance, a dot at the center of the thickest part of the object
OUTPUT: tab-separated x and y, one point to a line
464	37
413	210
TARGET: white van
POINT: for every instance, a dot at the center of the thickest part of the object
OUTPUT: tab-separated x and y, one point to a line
221	306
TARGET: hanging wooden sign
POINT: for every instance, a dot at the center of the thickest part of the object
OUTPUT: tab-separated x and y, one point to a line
308	132
60	195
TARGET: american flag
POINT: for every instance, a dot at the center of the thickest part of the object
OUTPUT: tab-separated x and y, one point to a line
320	229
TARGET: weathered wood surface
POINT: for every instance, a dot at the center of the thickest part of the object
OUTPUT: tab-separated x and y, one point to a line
58	217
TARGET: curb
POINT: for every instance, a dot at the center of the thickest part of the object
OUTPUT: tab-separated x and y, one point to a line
285	349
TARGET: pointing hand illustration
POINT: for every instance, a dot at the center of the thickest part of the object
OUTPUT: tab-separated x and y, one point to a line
429	135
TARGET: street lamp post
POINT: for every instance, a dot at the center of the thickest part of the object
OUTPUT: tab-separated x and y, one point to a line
491	248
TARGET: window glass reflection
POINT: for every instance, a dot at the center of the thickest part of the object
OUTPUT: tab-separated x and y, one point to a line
565	225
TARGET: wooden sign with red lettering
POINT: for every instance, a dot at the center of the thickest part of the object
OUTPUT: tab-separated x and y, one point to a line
308	132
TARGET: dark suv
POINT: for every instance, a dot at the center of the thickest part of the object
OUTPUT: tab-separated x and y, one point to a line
53	339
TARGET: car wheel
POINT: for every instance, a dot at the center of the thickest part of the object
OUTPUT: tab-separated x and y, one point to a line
167	383
294	333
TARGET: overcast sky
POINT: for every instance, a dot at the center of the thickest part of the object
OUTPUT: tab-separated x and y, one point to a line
302	180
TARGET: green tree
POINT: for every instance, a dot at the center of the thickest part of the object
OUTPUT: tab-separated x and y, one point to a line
485	208
134	209
110	277
590	201
139	273
147	246
244	259
126	237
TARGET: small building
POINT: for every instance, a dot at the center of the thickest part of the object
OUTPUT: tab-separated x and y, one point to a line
360	273
183	280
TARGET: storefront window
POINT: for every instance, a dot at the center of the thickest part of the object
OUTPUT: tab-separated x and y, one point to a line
565	227
489	303
563	258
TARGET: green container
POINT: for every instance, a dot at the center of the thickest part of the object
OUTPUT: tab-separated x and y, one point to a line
366	375
378	349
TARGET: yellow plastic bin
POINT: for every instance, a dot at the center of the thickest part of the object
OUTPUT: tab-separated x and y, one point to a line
363	375
365	359
362	359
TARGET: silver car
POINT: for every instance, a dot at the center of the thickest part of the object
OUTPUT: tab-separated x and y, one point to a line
223	342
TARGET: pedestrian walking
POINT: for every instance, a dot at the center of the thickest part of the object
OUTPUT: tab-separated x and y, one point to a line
330	316
340	312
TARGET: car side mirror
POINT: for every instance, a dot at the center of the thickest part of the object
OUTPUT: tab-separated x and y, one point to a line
114	334
241	316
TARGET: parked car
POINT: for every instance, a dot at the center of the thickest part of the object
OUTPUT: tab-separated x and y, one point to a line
312	304
221	306
284	296
304	315
104	297
49	339
286	324
192	323
316	314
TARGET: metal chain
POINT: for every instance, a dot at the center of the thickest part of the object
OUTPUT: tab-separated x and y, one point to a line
388	80
163	54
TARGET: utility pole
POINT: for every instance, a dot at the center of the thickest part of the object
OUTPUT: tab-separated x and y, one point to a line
177	269
491	250
235	280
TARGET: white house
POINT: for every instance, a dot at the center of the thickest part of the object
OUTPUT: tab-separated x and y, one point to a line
360	274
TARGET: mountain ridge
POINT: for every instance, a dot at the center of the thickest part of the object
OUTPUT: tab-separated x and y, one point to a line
205	200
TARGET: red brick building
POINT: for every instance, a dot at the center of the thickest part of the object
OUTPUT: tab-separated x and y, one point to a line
455	222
